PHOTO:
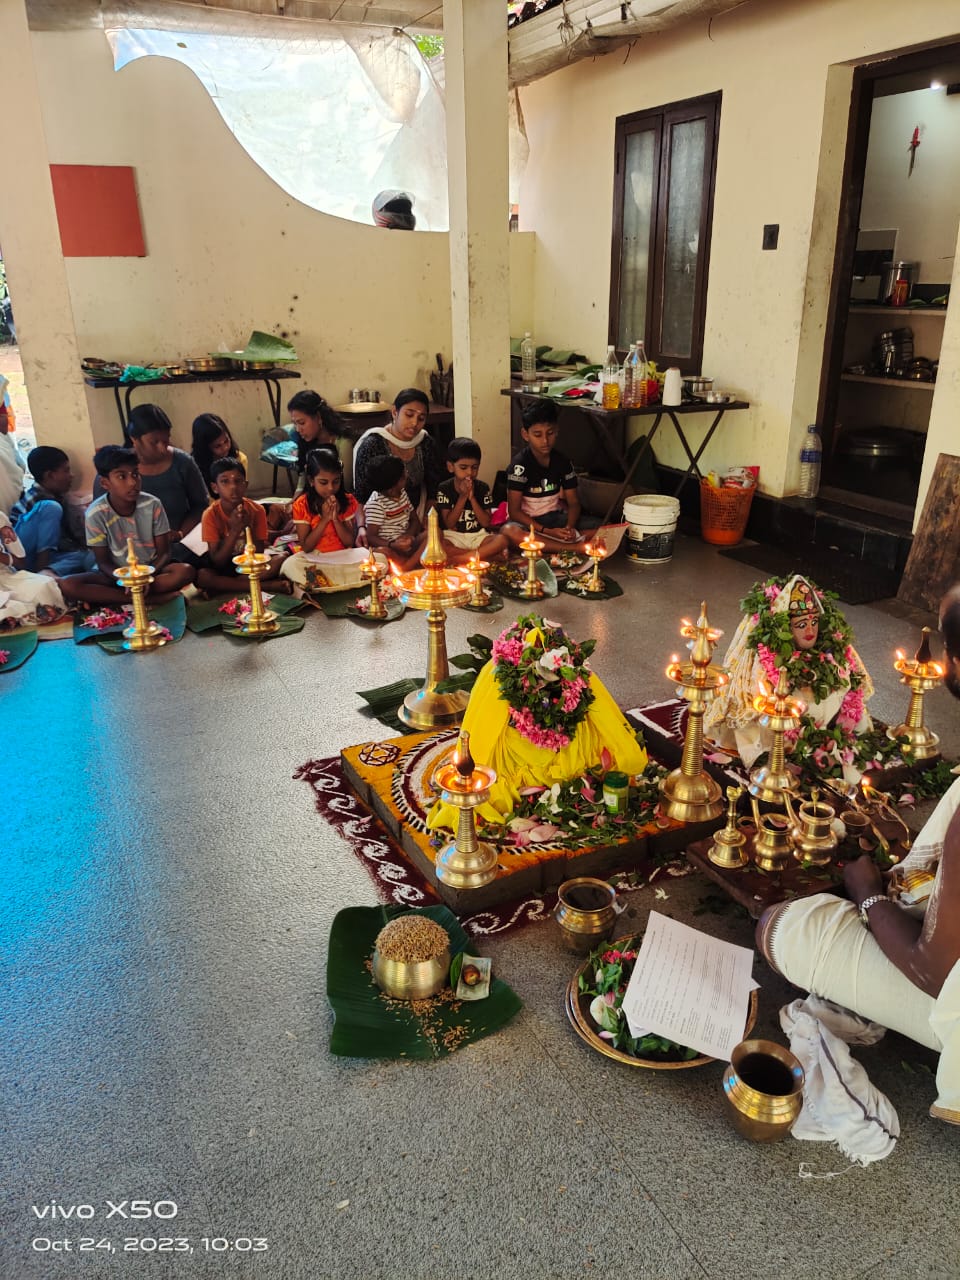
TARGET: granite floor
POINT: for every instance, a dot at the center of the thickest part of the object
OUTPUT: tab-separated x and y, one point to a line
167	897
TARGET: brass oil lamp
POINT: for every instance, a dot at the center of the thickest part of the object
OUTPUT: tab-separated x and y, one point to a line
476	568
373	570
135	577
920	674
465	862
777	712
728	850
689	794
253	565
531	547
597	551
434	588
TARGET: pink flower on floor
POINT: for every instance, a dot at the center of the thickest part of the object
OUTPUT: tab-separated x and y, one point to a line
820	758
4	656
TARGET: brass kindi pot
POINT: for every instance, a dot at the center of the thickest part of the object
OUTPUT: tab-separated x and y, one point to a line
813	836
772	844
763	1090
411	980
585	912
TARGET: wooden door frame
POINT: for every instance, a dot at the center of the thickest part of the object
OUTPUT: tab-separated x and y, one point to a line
862	91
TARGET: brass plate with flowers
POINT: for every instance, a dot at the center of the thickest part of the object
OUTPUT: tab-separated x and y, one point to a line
578	1002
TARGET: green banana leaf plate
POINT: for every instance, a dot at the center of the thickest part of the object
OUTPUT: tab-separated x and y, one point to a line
368	1025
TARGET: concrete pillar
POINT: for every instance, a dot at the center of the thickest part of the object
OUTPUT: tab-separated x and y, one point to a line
36	271
475	54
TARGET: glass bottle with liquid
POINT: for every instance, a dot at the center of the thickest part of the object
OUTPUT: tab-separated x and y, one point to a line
630	378
610	380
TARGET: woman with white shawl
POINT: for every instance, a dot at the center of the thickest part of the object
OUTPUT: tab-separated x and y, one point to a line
406	438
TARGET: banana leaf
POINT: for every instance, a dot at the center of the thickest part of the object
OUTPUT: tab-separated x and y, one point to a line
577	587
18	646
287	626
172	615
367	1025
205	615
267	346
510	579
335	604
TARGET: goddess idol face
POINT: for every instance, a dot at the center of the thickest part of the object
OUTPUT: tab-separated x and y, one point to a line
805	628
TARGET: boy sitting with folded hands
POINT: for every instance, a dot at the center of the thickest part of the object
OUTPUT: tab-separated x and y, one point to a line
465	507
224	528
123	512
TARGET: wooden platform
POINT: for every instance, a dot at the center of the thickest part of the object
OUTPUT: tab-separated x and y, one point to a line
393	778
756	890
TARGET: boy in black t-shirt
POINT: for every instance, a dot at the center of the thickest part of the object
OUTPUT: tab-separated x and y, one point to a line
465	505
542	484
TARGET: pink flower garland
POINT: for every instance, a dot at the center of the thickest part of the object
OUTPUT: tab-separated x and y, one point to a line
550	739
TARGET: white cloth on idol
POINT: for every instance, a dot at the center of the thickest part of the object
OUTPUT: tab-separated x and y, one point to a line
840	1105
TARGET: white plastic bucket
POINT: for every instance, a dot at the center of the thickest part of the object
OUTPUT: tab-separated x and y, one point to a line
652	520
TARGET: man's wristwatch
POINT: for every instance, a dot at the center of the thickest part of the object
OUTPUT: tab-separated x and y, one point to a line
866	904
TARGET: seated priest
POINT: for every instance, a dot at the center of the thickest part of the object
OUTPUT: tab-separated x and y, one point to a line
872	955
789	623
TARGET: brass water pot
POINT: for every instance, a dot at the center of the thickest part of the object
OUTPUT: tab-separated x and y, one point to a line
585	912
411	979
763	1090
772	844
814	838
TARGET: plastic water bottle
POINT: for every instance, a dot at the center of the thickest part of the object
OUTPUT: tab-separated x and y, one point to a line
638	378
811	455
630	378
610	380
528	362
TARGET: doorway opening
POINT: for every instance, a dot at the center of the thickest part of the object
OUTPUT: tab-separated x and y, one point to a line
13	390
893	266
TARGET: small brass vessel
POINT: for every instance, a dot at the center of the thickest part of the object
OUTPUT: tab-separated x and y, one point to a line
813	836
585	912
763	1090
772	844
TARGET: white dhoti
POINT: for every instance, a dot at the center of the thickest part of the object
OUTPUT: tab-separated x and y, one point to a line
819	944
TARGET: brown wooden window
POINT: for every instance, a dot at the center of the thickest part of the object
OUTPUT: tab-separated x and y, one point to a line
664	174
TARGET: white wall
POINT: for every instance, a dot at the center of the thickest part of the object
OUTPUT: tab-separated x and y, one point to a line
771	62
923	206
228	251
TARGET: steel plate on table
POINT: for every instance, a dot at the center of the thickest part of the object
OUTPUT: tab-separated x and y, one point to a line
362	406
577	1006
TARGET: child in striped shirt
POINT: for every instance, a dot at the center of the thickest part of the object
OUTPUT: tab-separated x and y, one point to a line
392	524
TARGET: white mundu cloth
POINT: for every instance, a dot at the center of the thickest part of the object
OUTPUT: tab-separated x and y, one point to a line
819	944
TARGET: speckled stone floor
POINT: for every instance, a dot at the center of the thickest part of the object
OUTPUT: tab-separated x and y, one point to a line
167	895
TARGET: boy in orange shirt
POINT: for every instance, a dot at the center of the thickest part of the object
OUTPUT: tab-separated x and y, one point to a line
224	528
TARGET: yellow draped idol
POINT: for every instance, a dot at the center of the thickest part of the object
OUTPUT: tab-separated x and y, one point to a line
518	763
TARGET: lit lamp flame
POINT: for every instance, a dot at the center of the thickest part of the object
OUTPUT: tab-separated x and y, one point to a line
920	674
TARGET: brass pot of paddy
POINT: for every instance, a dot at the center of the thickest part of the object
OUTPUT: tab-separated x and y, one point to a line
762	1090
411	980
585	912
